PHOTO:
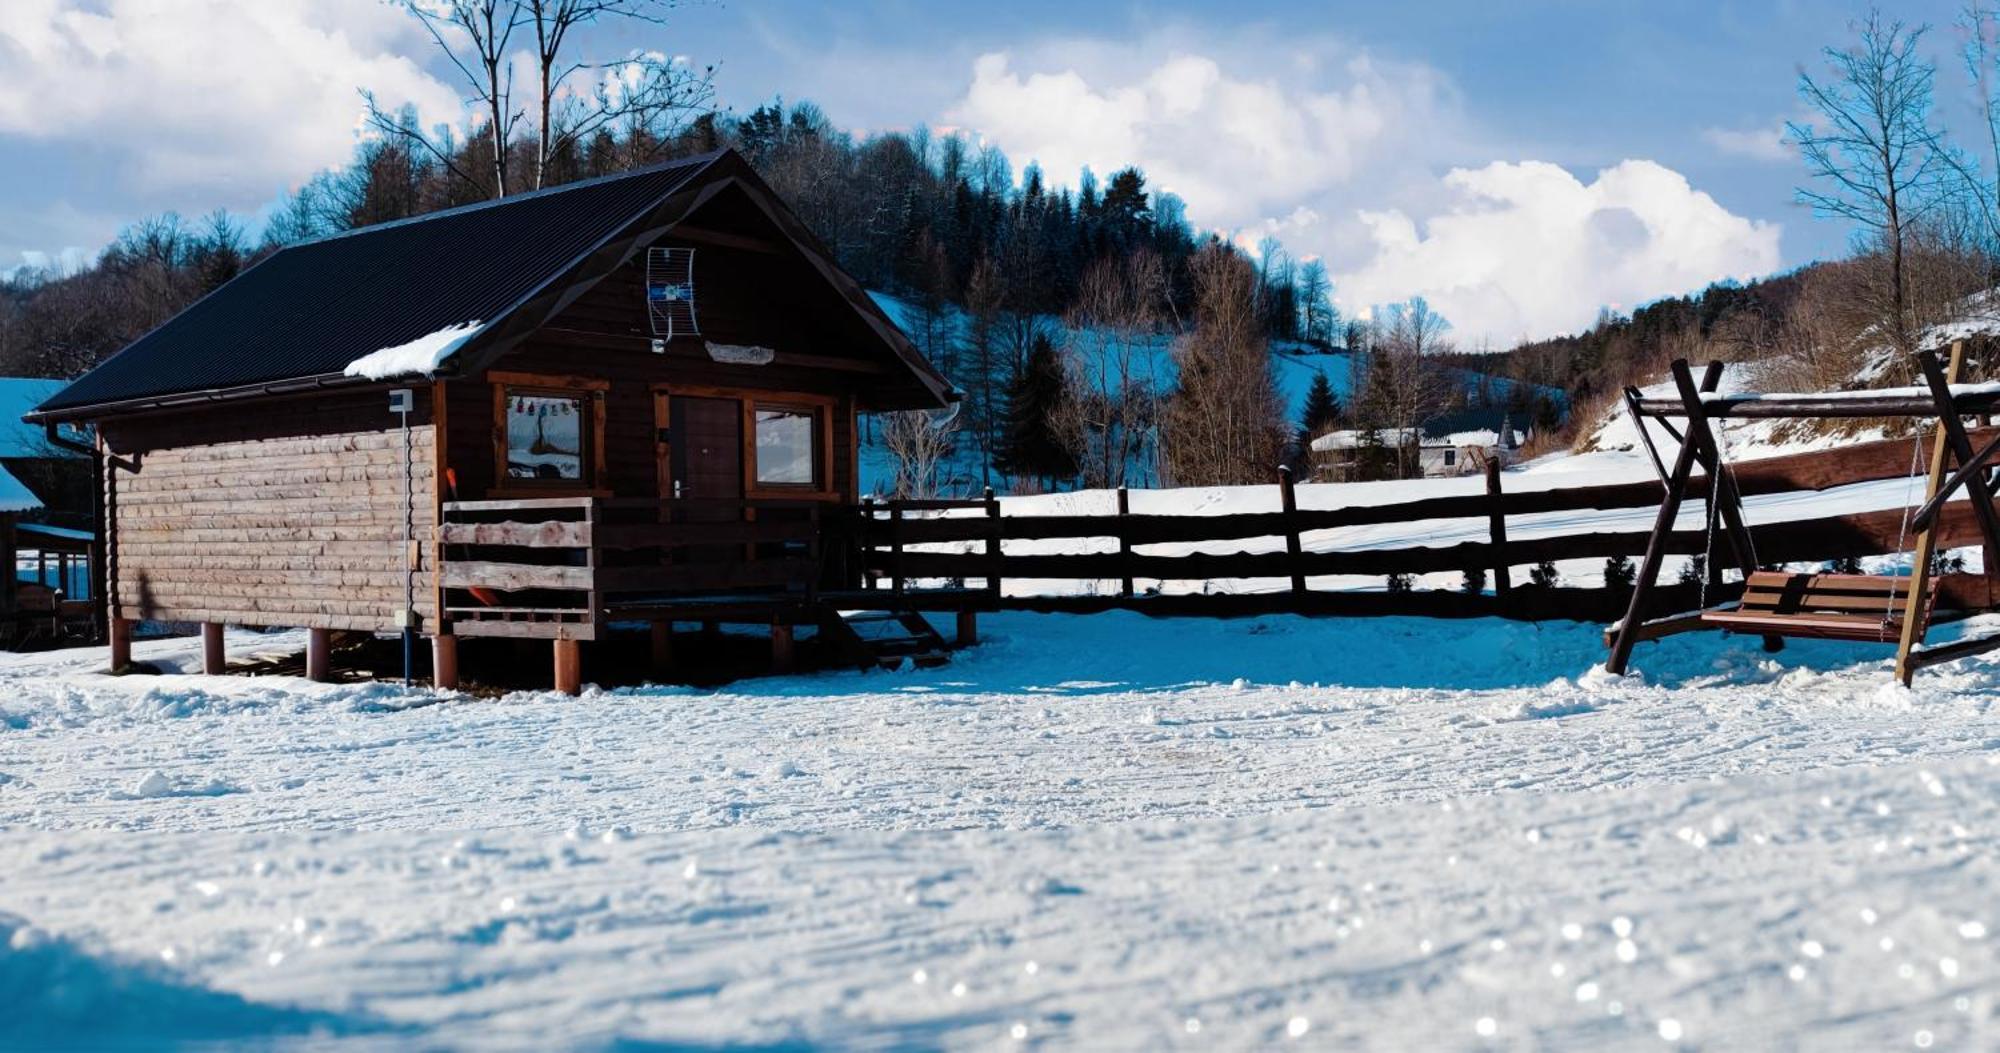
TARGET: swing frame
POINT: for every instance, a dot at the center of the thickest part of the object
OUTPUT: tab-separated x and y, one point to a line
1696	405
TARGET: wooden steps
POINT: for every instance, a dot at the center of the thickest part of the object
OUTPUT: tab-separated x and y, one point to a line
885	638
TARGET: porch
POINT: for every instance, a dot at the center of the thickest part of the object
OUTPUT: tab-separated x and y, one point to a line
573	569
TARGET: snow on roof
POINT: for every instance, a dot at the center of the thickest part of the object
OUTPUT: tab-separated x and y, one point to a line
1476	437
1351	440
18	438
419	357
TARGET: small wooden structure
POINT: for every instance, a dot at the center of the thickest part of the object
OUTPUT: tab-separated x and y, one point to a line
631	399
1889	609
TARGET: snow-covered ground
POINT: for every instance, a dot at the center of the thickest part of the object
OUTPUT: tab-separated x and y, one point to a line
1090	832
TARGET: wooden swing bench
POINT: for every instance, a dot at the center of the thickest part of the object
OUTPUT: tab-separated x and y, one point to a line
1776	604
1862	608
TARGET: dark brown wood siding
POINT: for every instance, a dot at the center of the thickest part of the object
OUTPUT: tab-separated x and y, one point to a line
746	297
285	512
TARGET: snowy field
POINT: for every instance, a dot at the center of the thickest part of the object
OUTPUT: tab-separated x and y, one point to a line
1091	832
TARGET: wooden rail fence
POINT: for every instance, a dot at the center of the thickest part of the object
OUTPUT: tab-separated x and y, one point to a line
968	540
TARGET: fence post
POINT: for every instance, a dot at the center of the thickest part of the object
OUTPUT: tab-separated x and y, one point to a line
992	544
1124	543
896	548
1294	545
864	544
1496	519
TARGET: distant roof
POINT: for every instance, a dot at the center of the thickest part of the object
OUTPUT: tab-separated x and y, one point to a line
15	497
19	395
302	316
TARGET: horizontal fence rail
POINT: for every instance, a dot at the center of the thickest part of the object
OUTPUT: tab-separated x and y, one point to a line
900	541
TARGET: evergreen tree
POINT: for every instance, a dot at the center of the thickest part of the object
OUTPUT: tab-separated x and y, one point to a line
1030	448
1322	410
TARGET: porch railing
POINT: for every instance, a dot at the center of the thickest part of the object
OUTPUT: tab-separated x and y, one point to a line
542	567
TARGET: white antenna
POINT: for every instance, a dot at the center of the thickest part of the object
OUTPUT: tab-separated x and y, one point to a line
670	292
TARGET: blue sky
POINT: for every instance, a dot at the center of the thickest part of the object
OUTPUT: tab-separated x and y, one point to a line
1522	164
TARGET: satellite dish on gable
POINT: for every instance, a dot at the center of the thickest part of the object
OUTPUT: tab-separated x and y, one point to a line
670	292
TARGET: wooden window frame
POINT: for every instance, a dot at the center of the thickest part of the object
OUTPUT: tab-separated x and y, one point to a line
591	392
822	437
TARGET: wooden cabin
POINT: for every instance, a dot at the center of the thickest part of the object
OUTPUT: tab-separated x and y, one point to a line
632	398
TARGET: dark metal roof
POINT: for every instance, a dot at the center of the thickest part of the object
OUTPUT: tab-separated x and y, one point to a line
309	310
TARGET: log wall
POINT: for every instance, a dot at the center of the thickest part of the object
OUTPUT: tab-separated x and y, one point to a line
283	513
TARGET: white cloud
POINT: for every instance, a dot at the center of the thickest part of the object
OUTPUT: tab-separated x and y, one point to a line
223	102
1338	153
1757	144
1529	249
1240	150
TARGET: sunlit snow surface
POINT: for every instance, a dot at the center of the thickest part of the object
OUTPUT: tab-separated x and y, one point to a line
1097	832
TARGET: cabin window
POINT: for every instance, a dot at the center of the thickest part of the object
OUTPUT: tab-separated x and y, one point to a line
548	436
787	446
1450	458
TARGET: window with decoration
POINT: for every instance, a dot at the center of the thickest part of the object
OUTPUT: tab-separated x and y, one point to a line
548	435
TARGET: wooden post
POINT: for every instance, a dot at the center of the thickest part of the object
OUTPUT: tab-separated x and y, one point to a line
993	564
1288	500
319	655
1656	546
121	644
1960	446
896	548
1721	485
864	546
661	648
968	627
569	667
213	661
1124	543
1496	530
1920	568
782	657
444	662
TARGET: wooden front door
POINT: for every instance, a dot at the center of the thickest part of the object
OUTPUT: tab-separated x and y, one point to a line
704	440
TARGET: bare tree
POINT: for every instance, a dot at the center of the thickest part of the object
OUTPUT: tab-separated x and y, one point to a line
921	446
646	90
1405	385
1879	161
474	36
1118	313
1224	423
1317	318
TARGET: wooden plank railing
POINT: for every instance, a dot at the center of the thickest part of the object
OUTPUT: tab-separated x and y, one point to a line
534	567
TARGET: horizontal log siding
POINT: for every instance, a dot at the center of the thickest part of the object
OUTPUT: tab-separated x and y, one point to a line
286	513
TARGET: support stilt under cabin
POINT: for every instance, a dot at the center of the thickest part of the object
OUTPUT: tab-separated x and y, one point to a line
630	401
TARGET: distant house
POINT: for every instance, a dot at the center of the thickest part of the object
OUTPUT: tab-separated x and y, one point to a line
45	508
1341	456
58	473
